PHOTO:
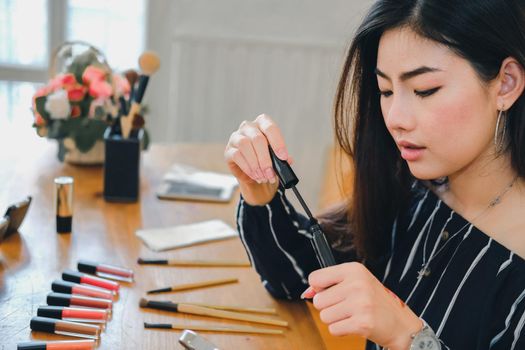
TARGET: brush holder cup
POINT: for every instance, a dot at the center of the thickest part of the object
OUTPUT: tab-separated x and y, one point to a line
122	166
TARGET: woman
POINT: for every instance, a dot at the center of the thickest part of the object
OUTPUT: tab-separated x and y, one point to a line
431	245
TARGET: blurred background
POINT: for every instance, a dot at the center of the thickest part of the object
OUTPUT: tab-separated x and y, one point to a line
222	62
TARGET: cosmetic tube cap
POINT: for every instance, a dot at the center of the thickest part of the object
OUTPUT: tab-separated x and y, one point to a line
50	311
87	267
59	299
72	276
60	286
43	324
33	345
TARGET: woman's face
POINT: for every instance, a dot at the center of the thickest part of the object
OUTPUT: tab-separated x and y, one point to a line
439	112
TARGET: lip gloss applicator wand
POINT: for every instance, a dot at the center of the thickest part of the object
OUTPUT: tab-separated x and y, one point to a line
289	180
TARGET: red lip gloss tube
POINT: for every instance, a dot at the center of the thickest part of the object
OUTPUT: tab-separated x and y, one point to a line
82	289
61	299
50	325
79	277
73	314
104	270
58	345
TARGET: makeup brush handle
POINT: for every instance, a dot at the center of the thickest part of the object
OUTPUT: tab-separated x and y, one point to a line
284	171
204	311
126	123
139	93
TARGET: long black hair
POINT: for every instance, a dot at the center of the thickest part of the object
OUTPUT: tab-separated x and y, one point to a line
484	32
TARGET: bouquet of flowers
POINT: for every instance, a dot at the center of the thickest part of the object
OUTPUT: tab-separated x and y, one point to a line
77	105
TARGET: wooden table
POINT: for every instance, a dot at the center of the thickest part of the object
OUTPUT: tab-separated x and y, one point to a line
105	232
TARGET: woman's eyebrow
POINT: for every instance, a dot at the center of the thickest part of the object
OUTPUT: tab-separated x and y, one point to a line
410	74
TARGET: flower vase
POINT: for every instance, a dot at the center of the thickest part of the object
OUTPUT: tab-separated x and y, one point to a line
72	155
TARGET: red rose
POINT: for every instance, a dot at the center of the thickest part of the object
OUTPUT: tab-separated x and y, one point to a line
68	79
76	92
75	111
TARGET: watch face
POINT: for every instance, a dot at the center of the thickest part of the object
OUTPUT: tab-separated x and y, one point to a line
425	341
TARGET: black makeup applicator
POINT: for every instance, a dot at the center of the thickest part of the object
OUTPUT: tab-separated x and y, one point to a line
289	180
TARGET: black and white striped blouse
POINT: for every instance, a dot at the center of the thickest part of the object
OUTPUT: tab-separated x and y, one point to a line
472	297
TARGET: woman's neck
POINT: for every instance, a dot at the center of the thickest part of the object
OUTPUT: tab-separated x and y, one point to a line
472	189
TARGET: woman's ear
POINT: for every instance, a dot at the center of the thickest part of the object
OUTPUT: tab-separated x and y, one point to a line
511	83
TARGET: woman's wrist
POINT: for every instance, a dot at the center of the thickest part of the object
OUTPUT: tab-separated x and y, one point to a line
258	195
403	338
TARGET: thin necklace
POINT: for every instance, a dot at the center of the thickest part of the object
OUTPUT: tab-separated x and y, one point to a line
425	270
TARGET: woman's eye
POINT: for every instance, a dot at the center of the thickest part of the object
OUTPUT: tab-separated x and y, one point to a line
385	93
426	93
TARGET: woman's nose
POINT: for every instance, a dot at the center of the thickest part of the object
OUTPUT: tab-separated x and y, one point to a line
399	115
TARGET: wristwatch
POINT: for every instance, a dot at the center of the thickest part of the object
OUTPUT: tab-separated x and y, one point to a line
425	339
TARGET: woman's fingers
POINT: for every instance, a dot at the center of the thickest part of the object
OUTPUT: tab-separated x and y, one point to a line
243	143
335	313
260	146
235	158
251	140
273	133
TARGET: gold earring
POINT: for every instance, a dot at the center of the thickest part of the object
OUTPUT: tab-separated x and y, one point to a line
501	131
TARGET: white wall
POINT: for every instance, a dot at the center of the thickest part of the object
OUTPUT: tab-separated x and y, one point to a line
224	61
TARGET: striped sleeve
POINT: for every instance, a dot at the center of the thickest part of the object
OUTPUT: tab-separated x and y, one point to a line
507	317
277	241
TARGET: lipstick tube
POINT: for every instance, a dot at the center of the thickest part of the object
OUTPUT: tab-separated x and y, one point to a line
87	344
79	277
61	299
51	325
67	287
64	203
104	270
73	314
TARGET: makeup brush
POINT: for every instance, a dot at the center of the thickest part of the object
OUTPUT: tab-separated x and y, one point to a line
149	63
205	311
196	285
194	263
288	180
214	328
255	310
131	76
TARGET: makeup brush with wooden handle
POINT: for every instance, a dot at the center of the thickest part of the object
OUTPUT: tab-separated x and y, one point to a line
149	63
205	311
214	328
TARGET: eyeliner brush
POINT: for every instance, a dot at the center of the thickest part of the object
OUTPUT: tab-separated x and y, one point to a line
195	285
214	328
193	263
205	311
288	180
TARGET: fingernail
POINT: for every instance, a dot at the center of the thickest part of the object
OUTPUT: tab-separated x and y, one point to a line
309	293
269	174
259	174
281	153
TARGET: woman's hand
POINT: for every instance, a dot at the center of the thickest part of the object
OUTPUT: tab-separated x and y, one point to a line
248	158
352	301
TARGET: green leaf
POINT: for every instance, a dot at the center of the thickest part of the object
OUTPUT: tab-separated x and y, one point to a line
87	135
61	151
145	140
40	103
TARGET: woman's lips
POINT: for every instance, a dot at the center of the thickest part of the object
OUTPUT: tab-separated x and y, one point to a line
410	151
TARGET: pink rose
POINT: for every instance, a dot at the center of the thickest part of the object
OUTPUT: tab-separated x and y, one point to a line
92	74
100	89
121	85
